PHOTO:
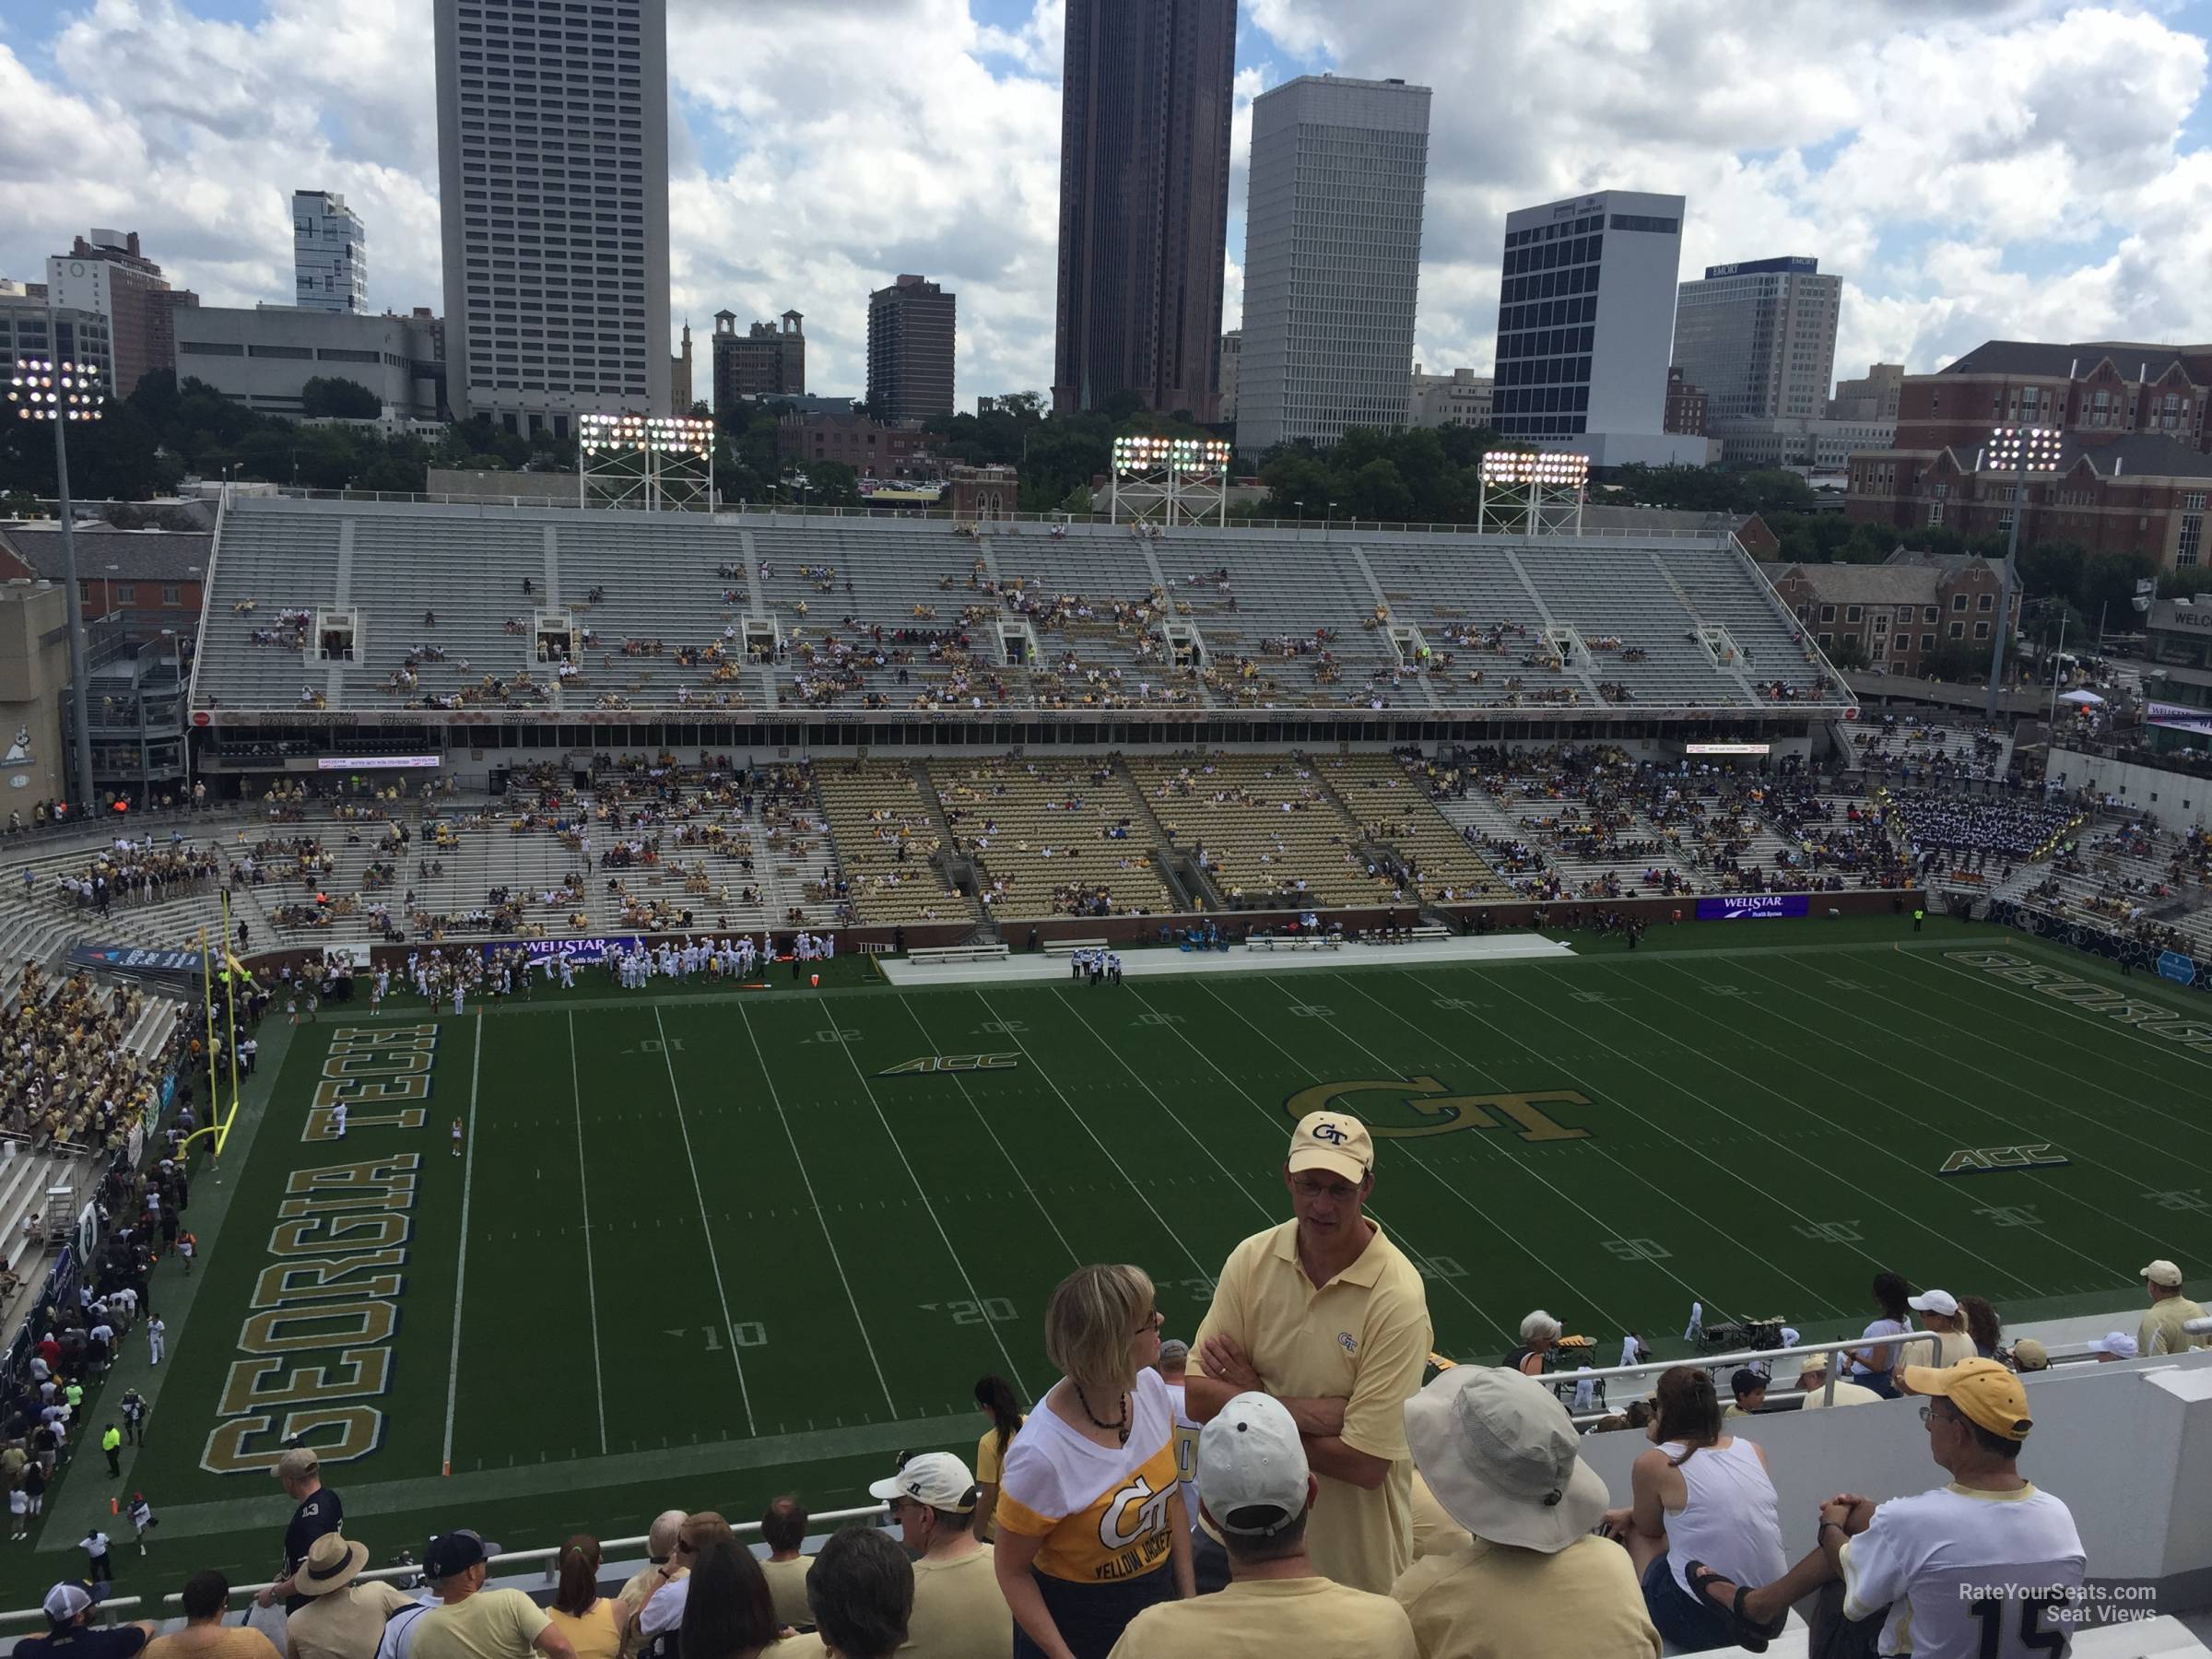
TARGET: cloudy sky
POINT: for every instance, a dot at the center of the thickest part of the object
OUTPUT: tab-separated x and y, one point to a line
1972	168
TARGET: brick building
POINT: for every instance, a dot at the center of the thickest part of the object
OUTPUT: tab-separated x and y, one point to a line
768	361
107	273
148	580
2139	492
1900	612
870	448
2133	468
1689	409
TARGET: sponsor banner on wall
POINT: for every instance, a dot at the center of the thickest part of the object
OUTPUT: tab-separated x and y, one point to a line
596	948
1746	907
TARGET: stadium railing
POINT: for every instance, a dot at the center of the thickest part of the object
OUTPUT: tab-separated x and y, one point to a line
499	1566
1731	1360
1317	528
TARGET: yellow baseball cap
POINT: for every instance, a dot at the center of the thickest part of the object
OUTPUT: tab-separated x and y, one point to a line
1334	1141
1990	1396
2029	1354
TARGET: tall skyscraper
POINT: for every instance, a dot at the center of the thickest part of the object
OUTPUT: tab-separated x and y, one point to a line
1761	337
1144	104
1332	258
553	196
911	334
1586	326
107	274
330	253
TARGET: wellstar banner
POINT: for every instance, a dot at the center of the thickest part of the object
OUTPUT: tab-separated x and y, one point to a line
1742	907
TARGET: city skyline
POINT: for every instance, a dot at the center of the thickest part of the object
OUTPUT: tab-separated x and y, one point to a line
813	157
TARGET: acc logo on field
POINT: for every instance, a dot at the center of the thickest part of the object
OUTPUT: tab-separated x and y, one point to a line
1974	1160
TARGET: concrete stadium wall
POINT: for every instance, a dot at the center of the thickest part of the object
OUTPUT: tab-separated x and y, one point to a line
2128	1446
2177	800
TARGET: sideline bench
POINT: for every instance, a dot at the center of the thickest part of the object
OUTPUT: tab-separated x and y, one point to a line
930	954
1328	941
1069	946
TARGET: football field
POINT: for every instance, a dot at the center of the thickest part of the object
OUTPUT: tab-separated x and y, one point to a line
702	1248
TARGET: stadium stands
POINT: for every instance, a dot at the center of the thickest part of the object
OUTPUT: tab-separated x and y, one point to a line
1265	829
890	842
1060	838
633	611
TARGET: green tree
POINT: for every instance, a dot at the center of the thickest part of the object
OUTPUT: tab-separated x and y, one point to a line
329	395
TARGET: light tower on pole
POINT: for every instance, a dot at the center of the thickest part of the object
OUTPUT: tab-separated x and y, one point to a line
1532	493
65	393
2021	451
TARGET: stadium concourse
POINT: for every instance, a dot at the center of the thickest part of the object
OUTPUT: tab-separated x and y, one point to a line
693	989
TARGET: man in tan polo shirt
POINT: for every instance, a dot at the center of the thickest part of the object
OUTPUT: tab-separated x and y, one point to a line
1327	1315
2161	1331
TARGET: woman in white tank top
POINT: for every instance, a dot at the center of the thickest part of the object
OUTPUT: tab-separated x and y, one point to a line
1700	1495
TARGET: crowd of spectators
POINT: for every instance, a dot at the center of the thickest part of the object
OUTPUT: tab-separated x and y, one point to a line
70	1073
1265	1488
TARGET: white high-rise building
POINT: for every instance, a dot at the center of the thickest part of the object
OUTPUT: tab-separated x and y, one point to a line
1332	258
330	253
1759	338
1586	328
553	193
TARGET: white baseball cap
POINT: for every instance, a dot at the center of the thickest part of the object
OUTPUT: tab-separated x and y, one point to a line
1250	1458
935	1478
1935	1301
2118	1344
2163	1274
65	1602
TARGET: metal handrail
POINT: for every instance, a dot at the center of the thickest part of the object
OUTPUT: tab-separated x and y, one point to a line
1595	1375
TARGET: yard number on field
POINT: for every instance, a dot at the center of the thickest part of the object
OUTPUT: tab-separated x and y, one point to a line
989	1310
745	1333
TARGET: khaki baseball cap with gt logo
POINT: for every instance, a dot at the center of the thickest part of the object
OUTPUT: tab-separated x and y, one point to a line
1333	1141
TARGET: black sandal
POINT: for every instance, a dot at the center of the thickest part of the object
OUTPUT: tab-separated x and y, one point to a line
1750	1633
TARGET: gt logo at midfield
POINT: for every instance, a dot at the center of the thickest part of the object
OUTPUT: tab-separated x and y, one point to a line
1441	1111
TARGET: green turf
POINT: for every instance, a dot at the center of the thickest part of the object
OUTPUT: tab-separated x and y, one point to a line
795	1265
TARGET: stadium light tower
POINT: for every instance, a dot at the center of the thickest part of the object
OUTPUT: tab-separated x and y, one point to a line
1169	481
1532	493
653	462
2021	451
65	393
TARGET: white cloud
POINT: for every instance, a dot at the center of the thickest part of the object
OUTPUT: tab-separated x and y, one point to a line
1972	167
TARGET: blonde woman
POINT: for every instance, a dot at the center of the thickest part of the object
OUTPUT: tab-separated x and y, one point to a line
1091	1526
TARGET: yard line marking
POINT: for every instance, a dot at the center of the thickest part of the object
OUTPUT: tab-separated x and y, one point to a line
2090	1017
1019	1174
468	1175
1766	1011
729	1325
2135	1180
1142	1197
776	1096
590	1281
1144	1083
1672	1138
1598	1148
1422	1164
1827	1173
931	1210
1373	1214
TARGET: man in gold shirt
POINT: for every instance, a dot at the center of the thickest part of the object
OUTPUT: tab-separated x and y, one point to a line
2161	1331
1327	1315
959	1612
1257	1493
1533	1581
